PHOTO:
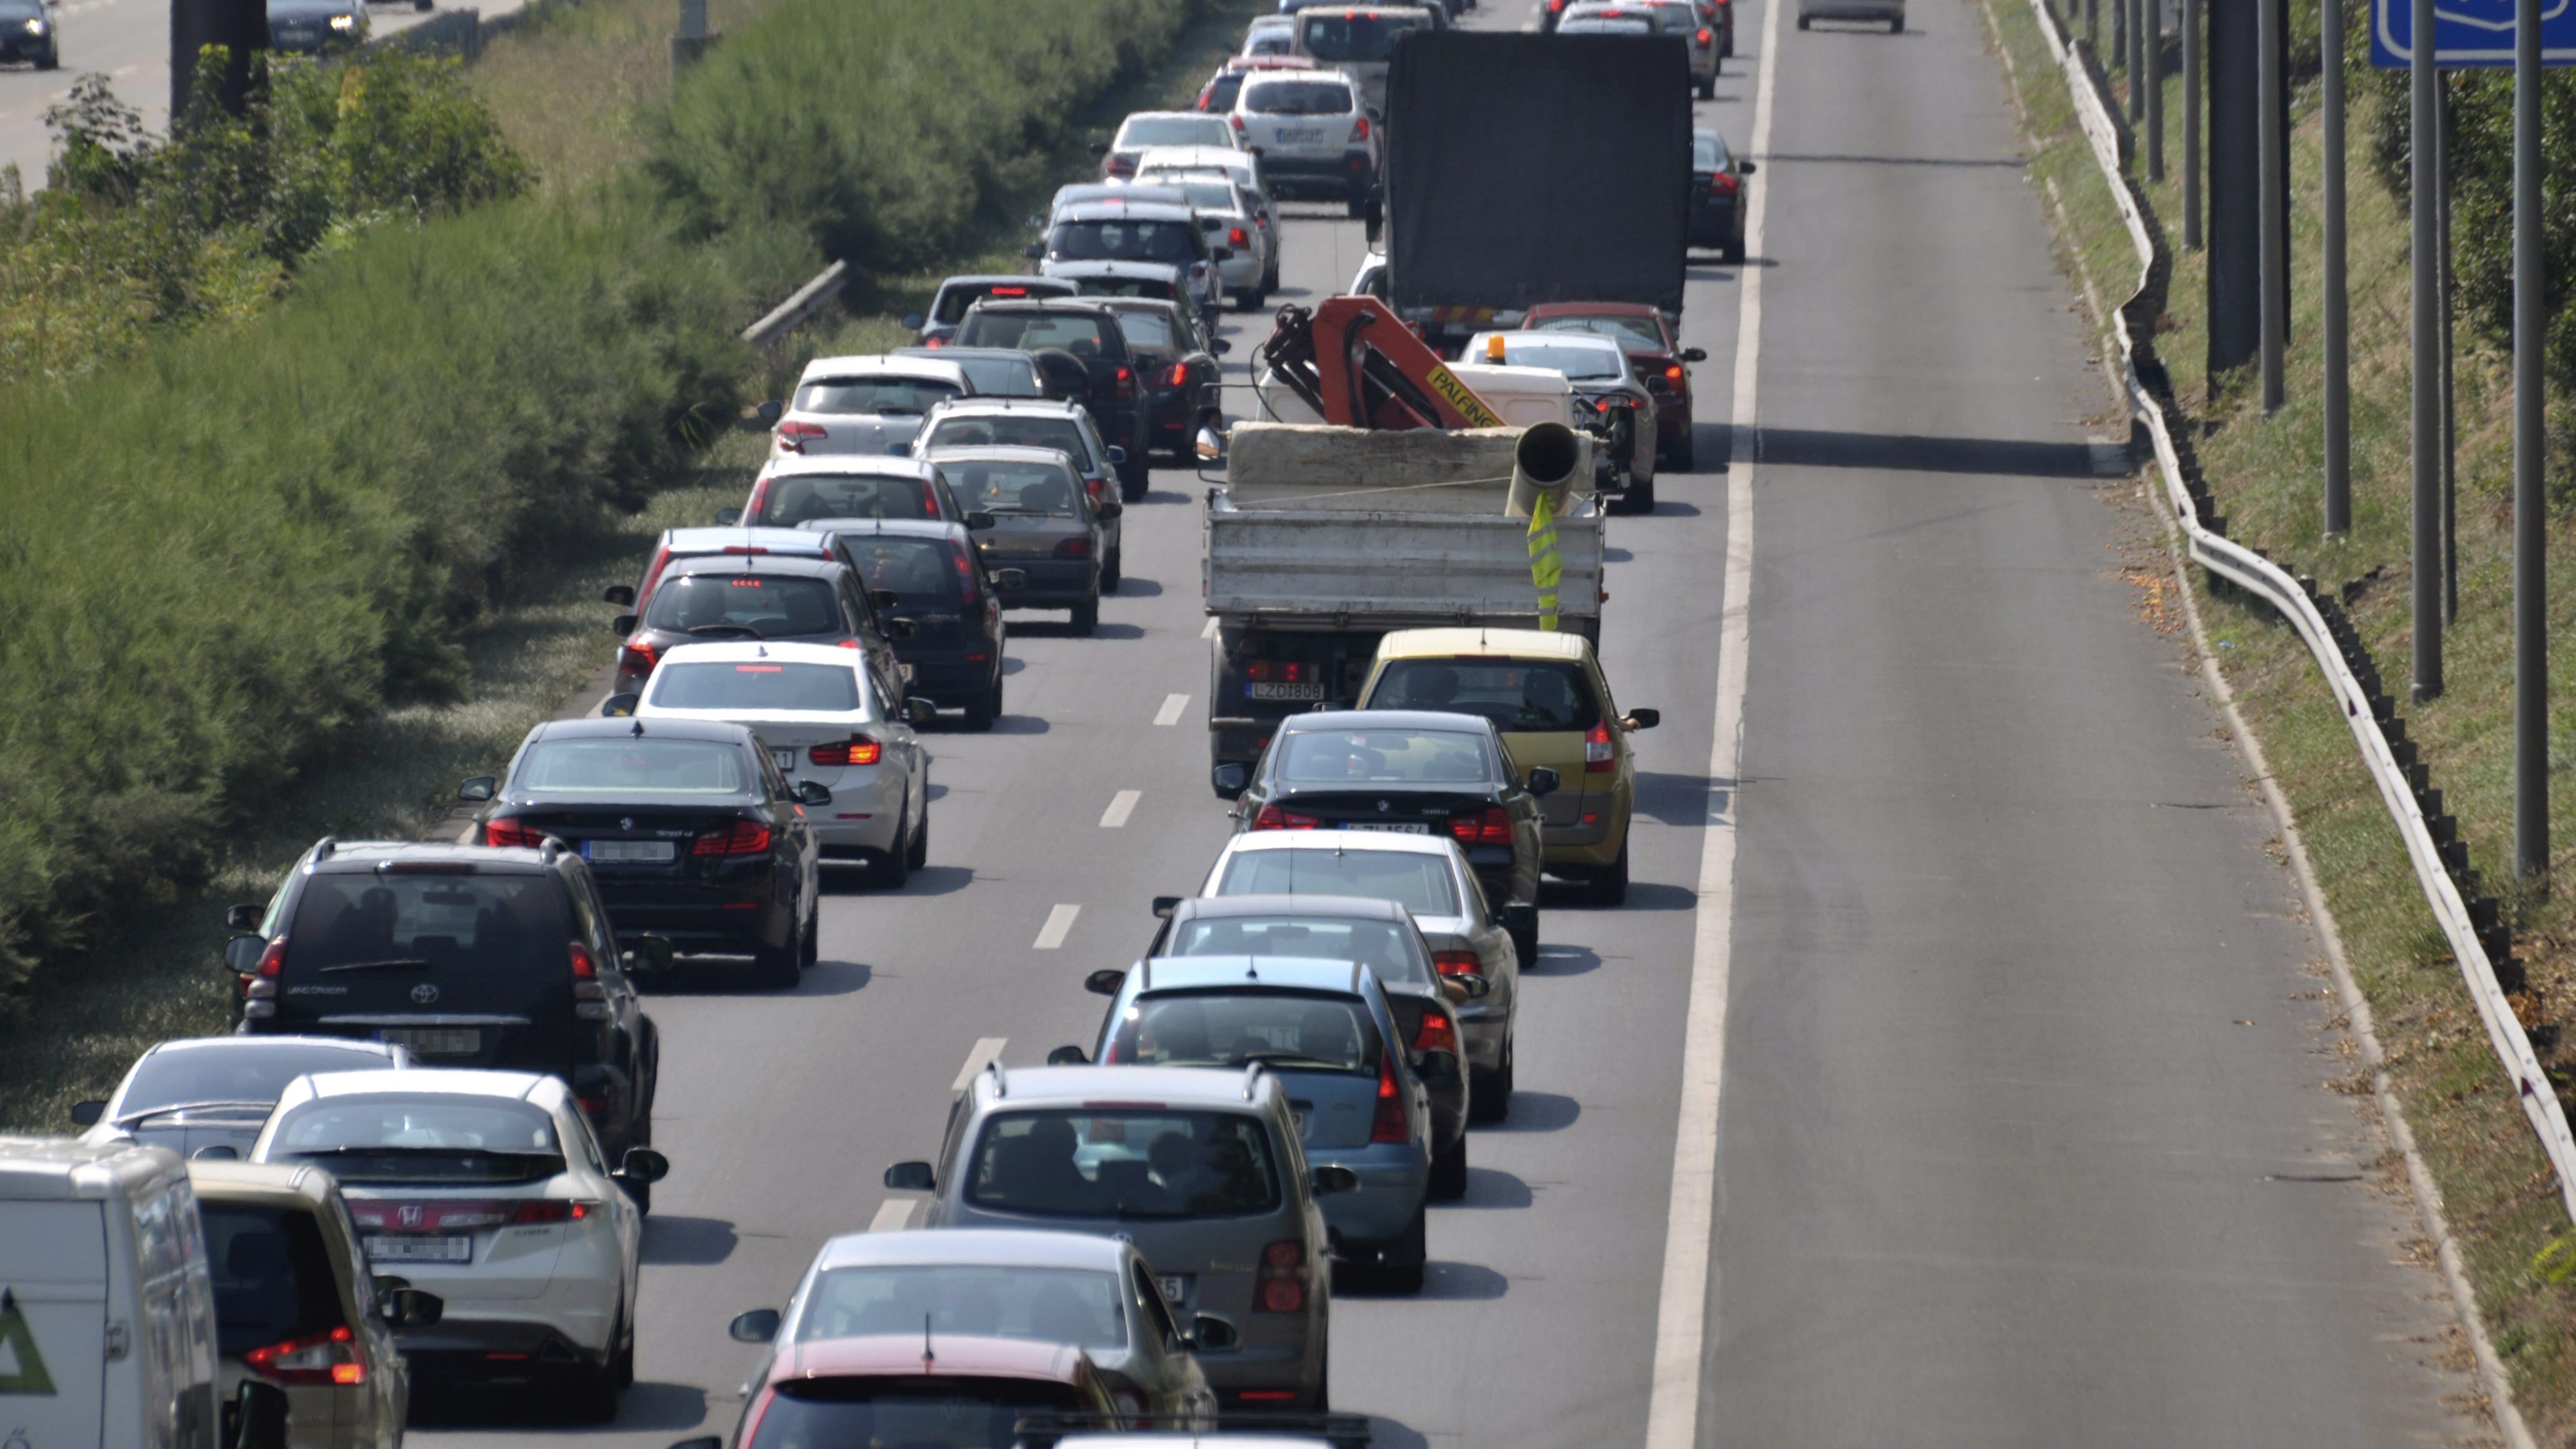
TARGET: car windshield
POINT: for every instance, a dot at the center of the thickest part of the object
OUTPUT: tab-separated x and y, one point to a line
1147	329
1079	1306
1143	131
1007	376
793	498
1361	35
1035	489
253	1071
1308	1031
489	928
1416	880
1030	430
755	686
1383	756
1708	151
627	765
1125	239
1383	946
956	297
1518	695
922	572
1086	335
1124	1162
1296	98
835	395
769	606
1633	332
914	1411
1574	362
443	1138
272	1272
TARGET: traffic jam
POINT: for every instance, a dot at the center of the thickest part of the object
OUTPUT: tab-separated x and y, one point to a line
419	1173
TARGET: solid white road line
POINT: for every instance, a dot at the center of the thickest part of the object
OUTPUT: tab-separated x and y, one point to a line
1121	805
893	1215
1210	631
1681	1318
986	1050
1174	706
1059	924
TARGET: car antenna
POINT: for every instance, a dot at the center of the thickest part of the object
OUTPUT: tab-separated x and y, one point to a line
638	728
927	1357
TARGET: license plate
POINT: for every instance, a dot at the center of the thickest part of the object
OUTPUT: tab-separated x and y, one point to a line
1284	691
1300	135
652	850
423	1041
420	1250
1389	827
1176	1287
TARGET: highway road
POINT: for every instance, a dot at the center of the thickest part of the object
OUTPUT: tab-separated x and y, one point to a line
128	41
1995	1014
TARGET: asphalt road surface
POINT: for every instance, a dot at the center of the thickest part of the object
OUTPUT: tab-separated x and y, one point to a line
2022	1134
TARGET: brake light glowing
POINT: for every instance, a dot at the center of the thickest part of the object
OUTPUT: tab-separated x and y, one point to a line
1599	758
1706	38
1276	671
1359	130
1282	1279
1388	1124
324	1358
507	832
1673	374
856	750
793	436
1008	292
583	967
1494	827
273	960
745	583
747	837
1437	1034
1274	818
965	576
1721	184
637	659
1456	963
1235	236
554	1209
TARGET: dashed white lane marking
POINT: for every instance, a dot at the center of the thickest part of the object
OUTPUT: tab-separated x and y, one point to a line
1210	631
1059	924
1121	805
893	1215
986	1050
1174	706
122	71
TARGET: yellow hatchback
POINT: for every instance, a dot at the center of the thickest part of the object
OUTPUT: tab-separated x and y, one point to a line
1546	693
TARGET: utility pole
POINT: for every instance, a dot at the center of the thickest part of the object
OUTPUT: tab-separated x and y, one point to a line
2530	524
2235	237
2423	204
2153	13
2272	166
2442	140
2337	300
2138	60
2191	125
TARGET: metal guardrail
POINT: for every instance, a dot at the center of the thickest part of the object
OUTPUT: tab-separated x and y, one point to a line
803	303
2468	925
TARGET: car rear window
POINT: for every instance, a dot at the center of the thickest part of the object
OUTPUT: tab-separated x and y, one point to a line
1518	695
795	497
1079	1306
1382	946
1708	151
956	297
1419	882
251	1072
1306	1031
272	1272
1594	25
913	1411
1125	1162
1143	131
1083	334
1147	329
488	928
1002	376
632	765
756	685
1358	35
443	1138
1631	332
1206	195
1223	89
1125	239
1296	98
769	606
1389	756
1033	430
1031	489
922	572
1574	362
836	395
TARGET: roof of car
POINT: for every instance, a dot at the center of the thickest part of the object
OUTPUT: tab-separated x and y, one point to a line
593	727
1111	209
1045	1087
1074	193
1476	343
1341	840
252	1043
751	563
1203	908
349	856
1038	304
993	1247
788	465
444	1082
1592	309
1453	643
1160	271
1164	158
1299	973
949	1354
883	363
979	354
716	540
262	1182
979	279
976	406
1311	72
1161	116
716	651
1004	453
888	527
1384	719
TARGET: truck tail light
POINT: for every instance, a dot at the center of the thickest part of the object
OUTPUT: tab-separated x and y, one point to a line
1388	1124
1274	818
1282	1279
856	750
1598	756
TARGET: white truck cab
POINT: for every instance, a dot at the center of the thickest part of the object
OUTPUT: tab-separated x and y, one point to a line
107	1311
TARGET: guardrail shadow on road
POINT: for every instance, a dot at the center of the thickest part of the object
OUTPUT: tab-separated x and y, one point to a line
1916	453
687	1242
1493	1190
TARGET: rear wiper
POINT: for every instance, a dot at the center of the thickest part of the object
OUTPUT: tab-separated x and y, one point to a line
712	630
384	965
149	1113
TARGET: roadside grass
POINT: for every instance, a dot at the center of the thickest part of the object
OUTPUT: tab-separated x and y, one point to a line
2497	1191
573	85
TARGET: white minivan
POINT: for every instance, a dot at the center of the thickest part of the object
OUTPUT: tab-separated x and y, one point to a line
107	1310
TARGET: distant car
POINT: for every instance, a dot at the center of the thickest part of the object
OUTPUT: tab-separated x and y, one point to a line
864	404
763	596
1654	352
1603	379
1359	40
1891	11
1177	358
1270	35
1314	134
1718	198
310	27
1073	1290
1065	426
789	491
1430	878
953	602
1719	15
1157	128
824	715
1216	97
1045	526
1200	1170
28	32
1356	1086
1182	163
1083	193
464	956
1678	18
1137	231
704	542
956	294
488	1189
197	1093
1090	332
1230	216
994	371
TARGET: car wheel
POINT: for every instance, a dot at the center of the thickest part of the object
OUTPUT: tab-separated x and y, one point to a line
621	1370
919	855
1133	483
985	708
1113	569
1086	617
1610	884
1896	26
809	946
1399	1268
1358	202
53	58
777	966
1686	452
1726	51
1802	22
1489	1097
590	1395
1525	946
896	859
1449	1172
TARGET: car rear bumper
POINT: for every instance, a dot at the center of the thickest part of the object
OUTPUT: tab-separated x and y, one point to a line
1393	1178
1851	9
735	927
1351	169
1291	1363
1712	224
18	45
1052	584
949	680
867	803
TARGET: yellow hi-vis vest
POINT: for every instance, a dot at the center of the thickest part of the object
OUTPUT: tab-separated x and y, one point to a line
1546	569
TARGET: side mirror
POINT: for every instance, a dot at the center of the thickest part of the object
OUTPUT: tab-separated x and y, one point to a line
478	789
760	1325
642	1165
909	1177
1542	781
1108	981
258	1417
1117	455
86	1114
1230	781
1220	346
1436	1068
813	792
1694	354
1034	250
703	1441
622	595
410	1307
921	713
1209	1331
1745	168
978	521
650	955
768	411
1332	1178
1011	579
884	598
216	1152
242	953
1068	1056
618	706
622	625
728	517
1643	719
903	628
243	918
1377	115
1164	906
1036	222
913	321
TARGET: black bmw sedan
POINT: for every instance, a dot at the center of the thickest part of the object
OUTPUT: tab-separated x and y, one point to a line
937	580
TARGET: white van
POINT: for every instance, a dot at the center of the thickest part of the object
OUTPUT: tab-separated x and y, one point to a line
107	1310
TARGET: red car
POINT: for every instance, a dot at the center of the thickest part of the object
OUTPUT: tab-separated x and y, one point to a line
910	1388
1647	336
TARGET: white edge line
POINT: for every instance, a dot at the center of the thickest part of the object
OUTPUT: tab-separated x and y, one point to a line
893	1215
1059	924
1174	706
1683	1307
1121	805
986	1050
1210	631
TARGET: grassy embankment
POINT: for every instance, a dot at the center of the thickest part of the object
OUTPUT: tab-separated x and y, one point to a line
2497	1191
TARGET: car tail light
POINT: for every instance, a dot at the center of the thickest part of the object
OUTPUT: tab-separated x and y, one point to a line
849	643
759	500
1236	236
746	837
1673	374
1121	165
1706	38
1436	1034
1359	130
554	1209
324	1358
1456	963
1074	547
1238	120
1494	827
1125	383
793	436
584	968
1279	671
1274	818
1388	1124
512	832
934	342
1721	184
1282	1281
965	577
1598	756
1554	6
637	659
1178	374
1098	488
856	750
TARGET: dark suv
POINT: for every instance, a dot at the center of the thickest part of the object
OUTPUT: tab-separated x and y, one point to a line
759	596
463	955
1089	329
940	585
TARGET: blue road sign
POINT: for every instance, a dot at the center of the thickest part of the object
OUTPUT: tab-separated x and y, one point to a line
2469	32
